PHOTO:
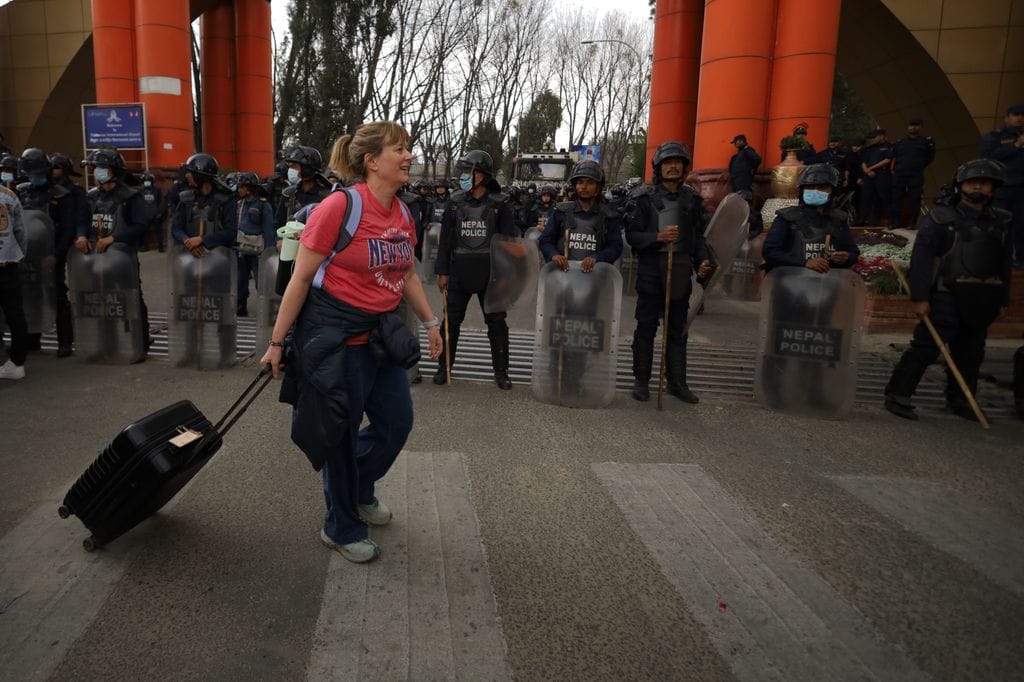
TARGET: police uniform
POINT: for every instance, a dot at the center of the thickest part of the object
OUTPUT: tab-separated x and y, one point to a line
464	255
120	213
965	293
156	211
255	219
911	156
655	208
876	192
1001	146
295	197
742	167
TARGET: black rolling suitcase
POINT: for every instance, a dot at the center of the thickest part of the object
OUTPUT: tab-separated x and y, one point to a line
147	464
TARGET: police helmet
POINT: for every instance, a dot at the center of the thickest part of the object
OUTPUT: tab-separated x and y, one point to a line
671	150
64	163
201	165
247	179
309	158
587	169
989	169
147	177
442	183
9	162
33	161
109	158
476	160
819	174
549	189
532	187
515	191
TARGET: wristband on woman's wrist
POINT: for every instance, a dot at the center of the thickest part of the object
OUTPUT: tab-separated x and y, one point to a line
430	323
277	344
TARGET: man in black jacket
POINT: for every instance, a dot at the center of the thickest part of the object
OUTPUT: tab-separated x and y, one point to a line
742	167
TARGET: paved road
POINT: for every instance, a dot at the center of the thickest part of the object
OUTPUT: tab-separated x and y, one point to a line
711	542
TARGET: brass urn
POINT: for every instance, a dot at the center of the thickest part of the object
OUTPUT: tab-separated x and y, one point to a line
786	175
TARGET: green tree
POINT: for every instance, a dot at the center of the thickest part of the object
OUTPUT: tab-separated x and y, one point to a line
850	118
486	137
540	122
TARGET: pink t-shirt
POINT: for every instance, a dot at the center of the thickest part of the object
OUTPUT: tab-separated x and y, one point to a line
370	272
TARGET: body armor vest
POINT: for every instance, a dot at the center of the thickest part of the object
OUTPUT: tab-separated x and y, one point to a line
476	225
202	220
673	211
439	207
149	195
808	238
108	211
41	198
978	254
586	231
296	199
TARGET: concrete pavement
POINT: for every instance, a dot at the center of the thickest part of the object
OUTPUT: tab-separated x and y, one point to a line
711	542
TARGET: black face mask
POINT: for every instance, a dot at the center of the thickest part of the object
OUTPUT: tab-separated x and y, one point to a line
978	198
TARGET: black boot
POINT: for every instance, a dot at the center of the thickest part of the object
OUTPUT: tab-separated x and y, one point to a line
499	360
441	376
643	359
675	372
901	407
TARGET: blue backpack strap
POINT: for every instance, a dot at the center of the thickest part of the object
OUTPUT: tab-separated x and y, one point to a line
347	231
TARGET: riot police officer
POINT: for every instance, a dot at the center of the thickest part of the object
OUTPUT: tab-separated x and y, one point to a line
545	207
666	214
876	192
593	227
205	217
971	242
156	210
41	193
9	171
1006	145
910	156
799	233
307	185
118	216
441	198
255	233
476	213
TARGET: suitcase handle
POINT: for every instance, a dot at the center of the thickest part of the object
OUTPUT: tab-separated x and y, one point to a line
235	412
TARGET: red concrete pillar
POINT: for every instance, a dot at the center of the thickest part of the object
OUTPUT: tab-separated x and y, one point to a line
803	70
735	71
113	50
674	72
254	95
217	71
163	55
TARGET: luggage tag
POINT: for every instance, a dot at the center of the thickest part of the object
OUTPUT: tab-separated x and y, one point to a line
185	437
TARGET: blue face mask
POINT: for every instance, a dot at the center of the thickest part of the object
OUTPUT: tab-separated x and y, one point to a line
294	176
147	183
815	197
102	175
6	177
233	187
38	180
466	182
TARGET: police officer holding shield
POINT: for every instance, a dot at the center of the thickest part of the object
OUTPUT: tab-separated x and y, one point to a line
666	214
971	241
306	184
476	213
205	217
118	216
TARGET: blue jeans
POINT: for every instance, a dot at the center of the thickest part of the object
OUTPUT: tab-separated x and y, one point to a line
382	394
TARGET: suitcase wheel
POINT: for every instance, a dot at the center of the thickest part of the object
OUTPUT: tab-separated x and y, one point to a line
63	512
90	544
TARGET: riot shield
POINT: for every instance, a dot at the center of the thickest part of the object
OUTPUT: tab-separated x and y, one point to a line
268	300
431	241
533	234
515	262
202	330
574	351
105	303
36	274
725	234
810	337
742	279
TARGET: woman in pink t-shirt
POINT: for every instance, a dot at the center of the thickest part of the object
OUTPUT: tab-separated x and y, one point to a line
345	335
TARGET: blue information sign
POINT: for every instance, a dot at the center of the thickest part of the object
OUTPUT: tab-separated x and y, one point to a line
118	126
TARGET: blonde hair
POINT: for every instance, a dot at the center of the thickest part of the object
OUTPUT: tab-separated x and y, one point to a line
349	151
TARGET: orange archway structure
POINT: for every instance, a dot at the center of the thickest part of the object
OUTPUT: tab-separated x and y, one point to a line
142	51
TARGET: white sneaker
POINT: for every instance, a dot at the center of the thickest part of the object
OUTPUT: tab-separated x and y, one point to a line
9	370
357	552
376	514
